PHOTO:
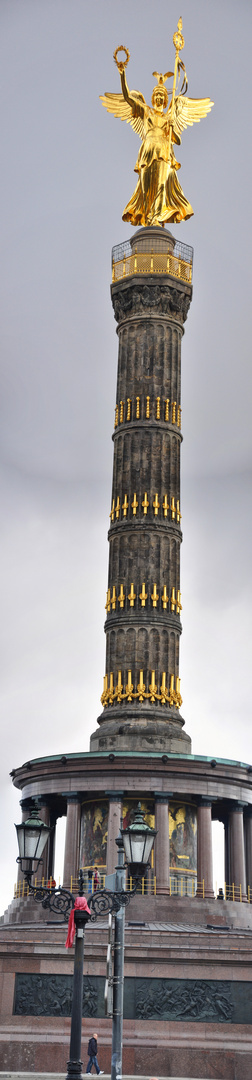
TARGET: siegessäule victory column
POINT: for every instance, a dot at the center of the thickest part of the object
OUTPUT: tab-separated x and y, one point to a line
158	197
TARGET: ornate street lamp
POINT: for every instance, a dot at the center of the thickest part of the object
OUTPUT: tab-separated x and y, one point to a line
138	840
32	835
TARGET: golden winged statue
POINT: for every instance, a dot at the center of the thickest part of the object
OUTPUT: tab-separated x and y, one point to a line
158	196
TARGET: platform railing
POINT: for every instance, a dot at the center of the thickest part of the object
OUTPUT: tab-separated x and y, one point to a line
179	886
183	885
151	262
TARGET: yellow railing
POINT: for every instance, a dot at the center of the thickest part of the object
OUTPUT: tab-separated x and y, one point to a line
179	886
151	262
88	884
183	885
146	886
234	892
21	889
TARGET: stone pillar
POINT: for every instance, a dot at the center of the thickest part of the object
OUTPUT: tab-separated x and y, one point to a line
248	849
114	822
162	846
72	840
227	853
204	850
43	869
143	605
237	852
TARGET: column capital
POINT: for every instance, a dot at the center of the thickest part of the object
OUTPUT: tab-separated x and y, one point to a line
114	796
238	807
44	800
163	796
205	801
72	796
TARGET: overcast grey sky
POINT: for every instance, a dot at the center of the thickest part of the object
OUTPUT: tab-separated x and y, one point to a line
66	173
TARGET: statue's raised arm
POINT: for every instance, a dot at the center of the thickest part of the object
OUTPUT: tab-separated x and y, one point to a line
158	197
129	105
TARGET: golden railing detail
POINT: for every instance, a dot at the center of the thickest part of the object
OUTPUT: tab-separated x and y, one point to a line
152	505
152	262
166	696
174	600
158	409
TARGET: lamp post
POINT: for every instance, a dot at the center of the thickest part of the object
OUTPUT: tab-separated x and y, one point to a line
118	980
135	843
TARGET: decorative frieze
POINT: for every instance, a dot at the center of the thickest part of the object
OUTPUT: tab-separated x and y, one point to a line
159	299
51	995
166	695
212	1001
198	1000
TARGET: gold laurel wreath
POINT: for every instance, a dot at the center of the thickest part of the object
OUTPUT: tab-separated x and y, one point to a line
121	48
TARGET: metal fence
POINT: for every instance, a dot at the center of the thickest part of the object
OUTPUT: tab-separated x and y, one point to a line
178	262
180	885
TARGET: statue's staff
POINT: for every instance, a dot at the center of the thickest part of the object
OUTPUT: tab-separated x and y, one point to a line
179	42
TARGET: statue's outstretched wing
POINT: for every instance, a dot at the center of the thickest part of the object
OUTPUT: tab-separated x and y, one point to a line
116	104
188	111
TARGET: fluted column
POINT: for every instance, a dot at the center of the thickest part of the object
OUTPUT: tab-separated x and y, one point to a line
143	603
114	821
248	849
72	840
162	845
204	850
237	852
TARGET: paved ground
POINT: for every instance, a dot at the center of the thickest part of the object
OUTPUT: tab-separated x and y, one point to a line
62	1076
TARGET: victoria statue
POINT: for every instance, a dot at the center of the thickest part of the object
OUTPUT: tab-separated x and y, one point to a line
158	197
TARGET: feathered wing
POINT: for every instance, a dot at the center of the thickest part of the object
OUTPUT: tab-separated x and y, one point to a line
116	104
188	111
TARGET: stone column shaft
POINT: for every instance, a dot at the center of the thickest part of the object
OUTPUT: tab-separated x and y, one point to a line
204	851
227	854
162	846
237	852
248	851
44	813
72	841
114	821
143	602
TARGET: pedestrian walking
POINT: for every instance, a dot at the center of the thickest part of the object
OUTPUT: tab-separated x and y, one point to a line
92	1051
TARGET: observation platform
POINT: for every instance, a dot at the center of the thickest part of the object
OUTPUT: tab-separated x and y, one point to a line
155	253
